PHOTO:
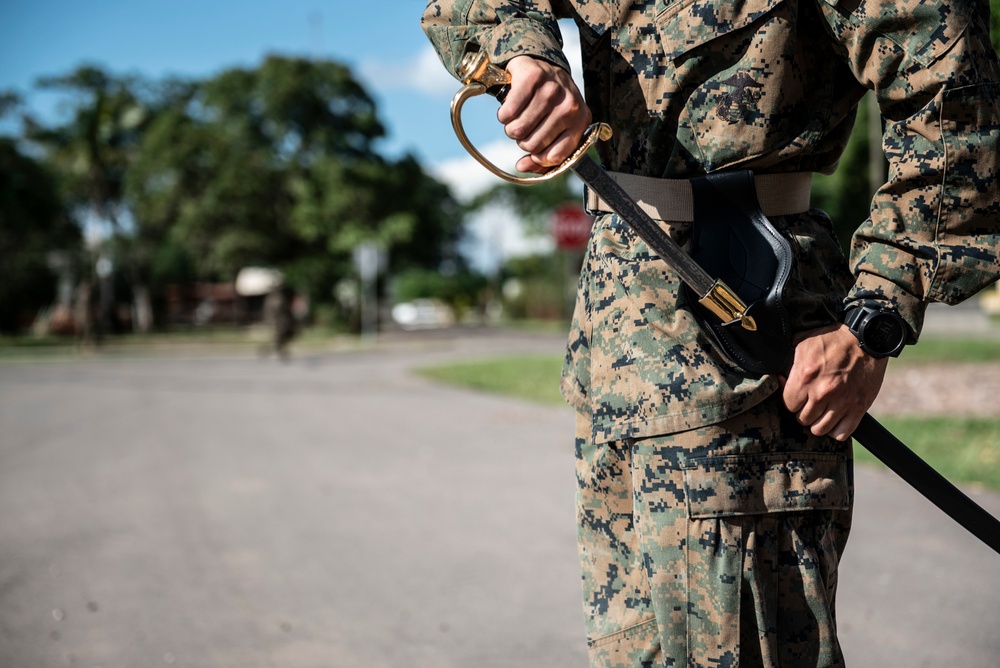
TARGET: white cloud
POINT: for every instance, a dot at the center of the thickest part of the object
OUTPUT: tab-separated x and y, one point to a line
467	178
495	234
429	75
425	73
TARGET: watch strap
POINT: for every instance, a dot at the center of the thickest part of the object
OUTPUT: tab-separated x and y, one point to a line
856	318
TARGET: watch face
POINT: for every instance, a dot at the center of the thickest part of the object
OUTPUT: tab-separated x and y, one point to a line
884	334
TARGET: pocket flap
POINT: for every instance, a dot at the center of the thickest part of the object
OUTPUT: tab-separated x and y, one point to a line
691	23
766	483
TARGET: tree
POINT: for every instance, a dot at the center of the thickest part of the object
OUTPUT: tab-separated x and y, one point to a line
276	166
846	194
33	224
533	204
995	23
9	101
92	151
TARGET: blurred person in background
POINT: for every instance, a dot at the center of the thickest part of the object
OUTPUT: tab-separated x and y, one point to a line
279	316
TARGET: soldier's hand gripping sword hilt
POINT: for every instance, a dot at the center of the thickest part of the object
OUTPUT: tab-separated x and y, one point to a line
480	77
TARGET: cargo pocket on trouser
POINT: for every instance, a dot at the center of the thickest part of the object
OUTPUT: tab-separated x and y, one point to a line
765	534
621	625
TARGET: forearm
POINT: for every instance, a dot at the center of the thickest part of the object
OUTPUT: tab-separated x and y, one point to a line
934	232
504	29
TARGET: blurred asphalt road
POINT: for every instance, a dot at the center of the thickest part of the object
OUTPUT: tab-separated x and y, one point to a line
338	511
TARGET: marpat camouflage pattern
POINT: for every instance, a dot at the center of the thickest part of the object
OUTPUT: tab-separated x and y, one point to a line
711	523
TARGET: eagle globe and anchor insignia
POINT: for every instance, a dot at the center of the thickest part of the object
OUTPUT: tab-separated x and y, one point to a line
739	105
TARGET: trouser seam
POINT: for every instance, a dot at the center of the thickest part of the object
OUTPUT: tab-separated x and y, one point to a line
617	635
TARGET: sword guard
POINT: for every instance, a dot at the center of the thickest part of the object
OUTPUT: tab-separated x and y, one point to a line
481	77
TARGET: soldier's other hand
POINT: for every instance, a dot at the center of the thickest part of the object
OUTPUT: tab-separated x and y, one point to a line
544	112
832	382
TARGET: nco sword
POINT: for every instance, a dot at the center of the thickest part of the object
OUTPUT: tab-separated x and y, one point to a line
481	77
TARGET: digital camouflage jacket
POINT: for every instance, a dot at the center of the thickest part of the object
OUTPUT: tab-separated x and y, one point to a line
696	86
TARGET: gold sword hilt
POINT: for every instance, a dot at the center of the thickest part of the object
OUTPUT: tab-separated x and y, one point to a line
480	76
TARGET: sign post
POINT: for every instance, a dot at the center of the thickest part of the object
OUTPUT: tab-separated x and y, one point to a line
570	226
368	261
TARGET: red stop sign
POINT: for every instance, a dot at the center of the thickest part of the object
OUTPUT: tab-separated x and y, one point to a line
571	226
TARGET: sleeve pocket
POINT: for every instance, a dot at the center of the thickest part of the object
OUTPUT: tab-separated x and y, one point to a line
967	237
766	483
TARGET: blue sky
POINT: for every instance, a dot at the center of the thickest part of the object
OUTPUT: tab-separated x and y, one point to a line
380	40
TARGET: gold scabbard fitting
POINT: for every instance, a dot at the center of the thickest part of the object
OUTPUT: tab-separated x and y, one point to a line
480	76
727	306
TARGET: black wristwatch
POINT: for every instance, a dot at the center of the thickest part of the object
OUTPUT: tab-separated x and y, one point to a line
880	330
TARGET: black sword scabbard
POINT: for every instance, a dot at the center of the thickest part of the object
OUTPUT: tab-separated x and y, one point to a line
932	485
711	293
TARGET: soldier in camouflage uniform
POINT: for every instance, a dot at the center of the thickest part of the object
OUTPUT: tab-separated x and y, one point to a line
714	507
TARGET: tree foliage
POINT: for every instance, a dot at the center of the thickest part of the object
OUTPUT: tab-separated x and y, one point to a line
534	204
272	165
276	166
846	194
9	101
33	224
94	148
995	23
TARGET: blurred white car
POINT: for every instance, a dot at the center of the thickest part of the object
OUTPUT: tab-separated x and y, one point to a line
423	314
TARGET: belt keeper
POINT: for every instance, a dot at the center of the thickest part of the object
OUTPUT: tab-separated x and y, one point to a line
591	202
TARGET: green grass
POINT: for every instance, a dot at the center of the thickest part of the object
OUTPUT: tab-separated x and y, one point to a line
534	378
537	325
962	449
232	338
954	350
53	347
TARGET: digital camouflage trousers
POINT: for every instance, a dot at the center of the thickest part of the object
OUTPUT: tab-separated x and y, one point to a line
716	547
